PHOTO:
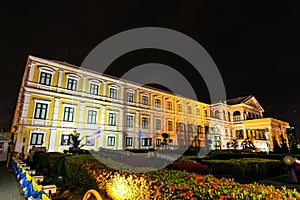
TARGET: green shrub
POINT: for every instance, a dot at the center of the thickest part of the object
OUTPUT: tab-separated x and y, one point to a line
246	167
85	171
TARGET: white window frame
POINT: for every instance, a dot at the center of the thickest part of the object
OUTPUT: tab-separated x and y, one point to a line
61	139
94	118
156	127
36	101
127	96
131	123
87	138
180	107
146	142
47	70
158	142
96	83
114	119
74	112
157	105
168	105
129	141
170	122
111	140
74	77
145	126
115	95
36	132
145	99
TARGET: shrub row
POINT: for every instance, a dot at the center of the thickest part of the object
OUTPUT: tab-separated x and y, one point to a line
53	162
231	154
246	167
84	171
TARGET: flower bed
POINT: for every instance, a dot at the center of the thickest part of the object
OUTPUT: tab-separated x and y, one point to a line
86	172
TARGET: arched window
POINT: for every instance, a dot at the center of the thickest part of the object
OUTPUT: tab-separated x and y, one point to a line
217	114
237	116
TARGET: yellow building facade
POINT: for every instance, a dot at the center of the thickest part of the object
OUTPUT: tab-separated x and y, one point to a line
57	98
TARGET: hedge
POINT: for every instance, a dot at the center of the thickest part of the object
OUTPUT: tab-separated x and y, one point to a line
86	172
246	167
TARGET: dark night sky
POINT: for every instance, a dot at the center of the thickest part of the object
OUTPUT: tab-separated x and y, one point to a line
256	46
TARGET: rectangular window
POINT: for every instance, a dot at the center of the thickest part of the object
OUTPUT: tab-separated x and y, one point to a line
112	118
145	100
89	140
65	139
113	93
129	96
226	132
231	133
205	113
198	111
92	116
144	122
179	108
72	84
94	89
170	125
40	111
158	142
129	121
181	126
169	105
190	128
157	103
128	141
157	124
189	109
68	114
45	78
111	141
146	142
36	138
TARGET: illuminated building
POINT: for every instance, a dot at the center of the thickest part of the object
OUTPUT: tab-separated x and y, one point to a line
57	98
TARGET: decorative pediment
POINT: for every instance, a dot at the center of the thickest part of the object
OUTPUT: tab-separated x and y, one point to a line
253	103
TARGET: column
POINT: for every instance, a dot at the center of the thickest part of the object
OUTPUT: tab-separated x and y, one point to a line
81	120
60	76
55	112
52	138
121	133
31	72
104	88
137	130
103	127
83	89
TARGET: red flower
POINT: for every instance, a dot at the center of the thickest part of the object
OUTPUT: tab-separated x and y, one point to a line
197	178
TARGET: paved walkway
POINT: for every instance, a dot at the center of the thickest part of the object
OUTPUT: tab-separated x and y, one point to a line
9	187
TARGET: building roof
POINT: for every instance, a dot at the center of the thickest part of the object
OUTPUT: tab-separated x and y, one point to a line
238	100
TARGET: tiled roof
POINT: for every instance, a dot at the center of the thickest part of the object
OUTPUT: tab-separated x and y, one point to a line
238	100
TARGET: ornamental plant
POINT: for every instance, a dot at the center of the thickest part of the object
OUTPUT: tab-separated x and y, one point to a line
86	172
120	187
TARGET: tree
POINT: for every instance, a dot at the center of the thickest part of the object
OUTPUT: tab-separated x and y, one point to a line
292	140
276	147
284	147
165	140
75	142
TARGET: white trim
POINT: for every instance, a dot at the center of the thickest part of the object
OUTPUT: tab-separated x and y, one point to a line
43	102
30	135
